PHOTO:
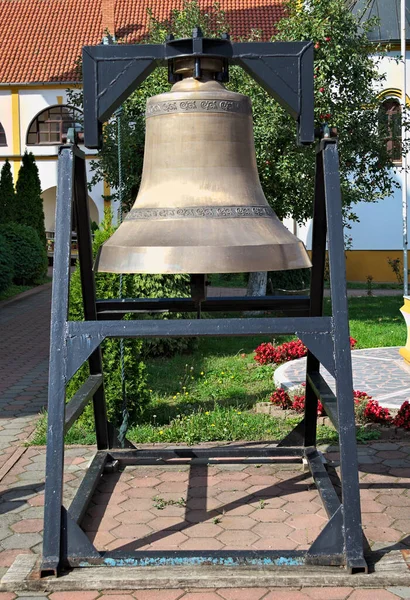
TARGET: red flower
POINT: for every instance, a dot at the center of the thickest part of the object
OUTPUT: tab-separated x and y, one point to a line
317	46
327	39
402	419
298	406
321	90
281	398
267	353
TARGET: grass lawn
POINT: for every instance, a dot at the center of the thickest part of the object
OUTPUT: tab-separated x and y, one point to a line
208	395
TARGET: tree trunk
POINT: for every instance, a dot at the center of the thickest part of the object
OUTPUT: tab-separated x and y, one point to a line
257	284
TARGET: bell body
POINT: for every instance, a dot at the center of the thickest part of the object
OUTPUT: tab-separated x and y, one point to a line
200	207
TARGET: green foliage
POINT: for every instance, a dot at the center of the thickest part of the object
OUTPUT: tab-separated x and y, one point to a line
29	204
164	286
6	264
108	286
29	254
7	194
346	80
295	279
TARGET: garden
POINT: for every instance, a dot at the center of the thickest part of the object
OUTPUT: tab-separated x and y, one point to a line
210	390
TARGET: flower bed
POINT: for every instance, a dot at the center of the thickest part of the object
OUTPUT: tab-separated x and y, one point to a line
267	353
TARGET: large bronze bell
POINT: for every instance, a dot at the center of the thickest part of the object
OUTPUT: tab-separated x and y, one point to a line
200	207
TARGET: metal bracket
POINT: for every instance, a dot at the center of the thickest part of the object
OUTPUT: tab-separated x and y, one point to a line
112	72
322	346
74	540
329	542
79	348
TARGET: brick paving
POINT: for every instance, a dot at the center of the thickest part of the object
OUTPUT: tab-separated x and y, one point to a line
24	341
268	506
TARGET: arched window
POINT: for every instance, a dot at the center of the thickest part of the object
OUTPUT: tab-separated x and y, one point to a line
3	140
390	127
49	126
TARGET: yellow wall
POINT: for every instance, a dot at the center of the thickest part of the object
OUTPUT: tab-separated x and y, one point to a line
361	263
15	108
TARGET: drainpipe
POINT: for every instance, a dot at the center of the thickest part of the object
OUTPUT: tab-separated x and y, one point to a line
404	157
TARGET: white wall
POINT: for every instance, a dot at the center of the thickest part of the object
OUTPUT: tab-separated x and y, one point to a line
6	121
380	223
32	102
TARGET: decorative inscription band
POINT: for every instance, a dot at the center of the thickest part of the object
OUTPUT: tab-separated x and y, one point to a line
201	212
198	105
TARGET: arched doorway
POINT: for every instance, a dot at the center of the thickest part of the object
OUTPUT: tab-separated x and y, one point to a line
49	207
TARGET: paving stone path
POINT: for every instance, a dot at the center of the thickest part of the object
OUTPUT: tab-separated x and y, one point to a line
24	341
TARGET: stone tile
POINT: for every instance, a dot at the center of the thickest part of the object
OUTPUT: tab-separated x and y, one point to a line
169	540
21	541
382	534
305	537
198	543
275	543
132	504
116	597
269	515
169	487
393	500
130	530
74	595
328	593
401	592
204	530
287	594
302	508
377	520
28	526
135	516
159	594
161	522
209	595
173	476
372	506
7	596
101	540
242	593
373	594
237	539
305	521
272	530
241	523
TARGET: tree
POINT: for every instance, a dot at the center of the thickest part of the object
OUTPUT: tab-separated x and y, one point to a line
346	95
29	204
7	194
346	82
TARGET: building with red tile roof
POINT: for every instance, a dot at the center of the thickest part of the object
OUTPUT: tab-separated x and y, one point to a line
41	40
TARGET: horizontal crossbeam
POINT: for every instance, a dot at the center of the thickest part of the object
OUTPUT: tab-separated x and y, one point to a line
200	327
120	307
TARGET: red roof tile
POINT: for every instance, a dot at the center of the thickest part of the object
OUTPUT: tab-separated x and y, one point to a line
41	40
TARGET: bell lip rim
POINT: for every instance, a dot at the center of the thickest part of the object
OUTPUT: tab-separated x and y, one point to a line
306	264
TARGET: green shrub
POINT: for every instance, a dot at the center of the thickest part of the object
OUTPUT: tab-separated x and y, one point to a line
6	264
107	286
29	254
164	286
294	279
